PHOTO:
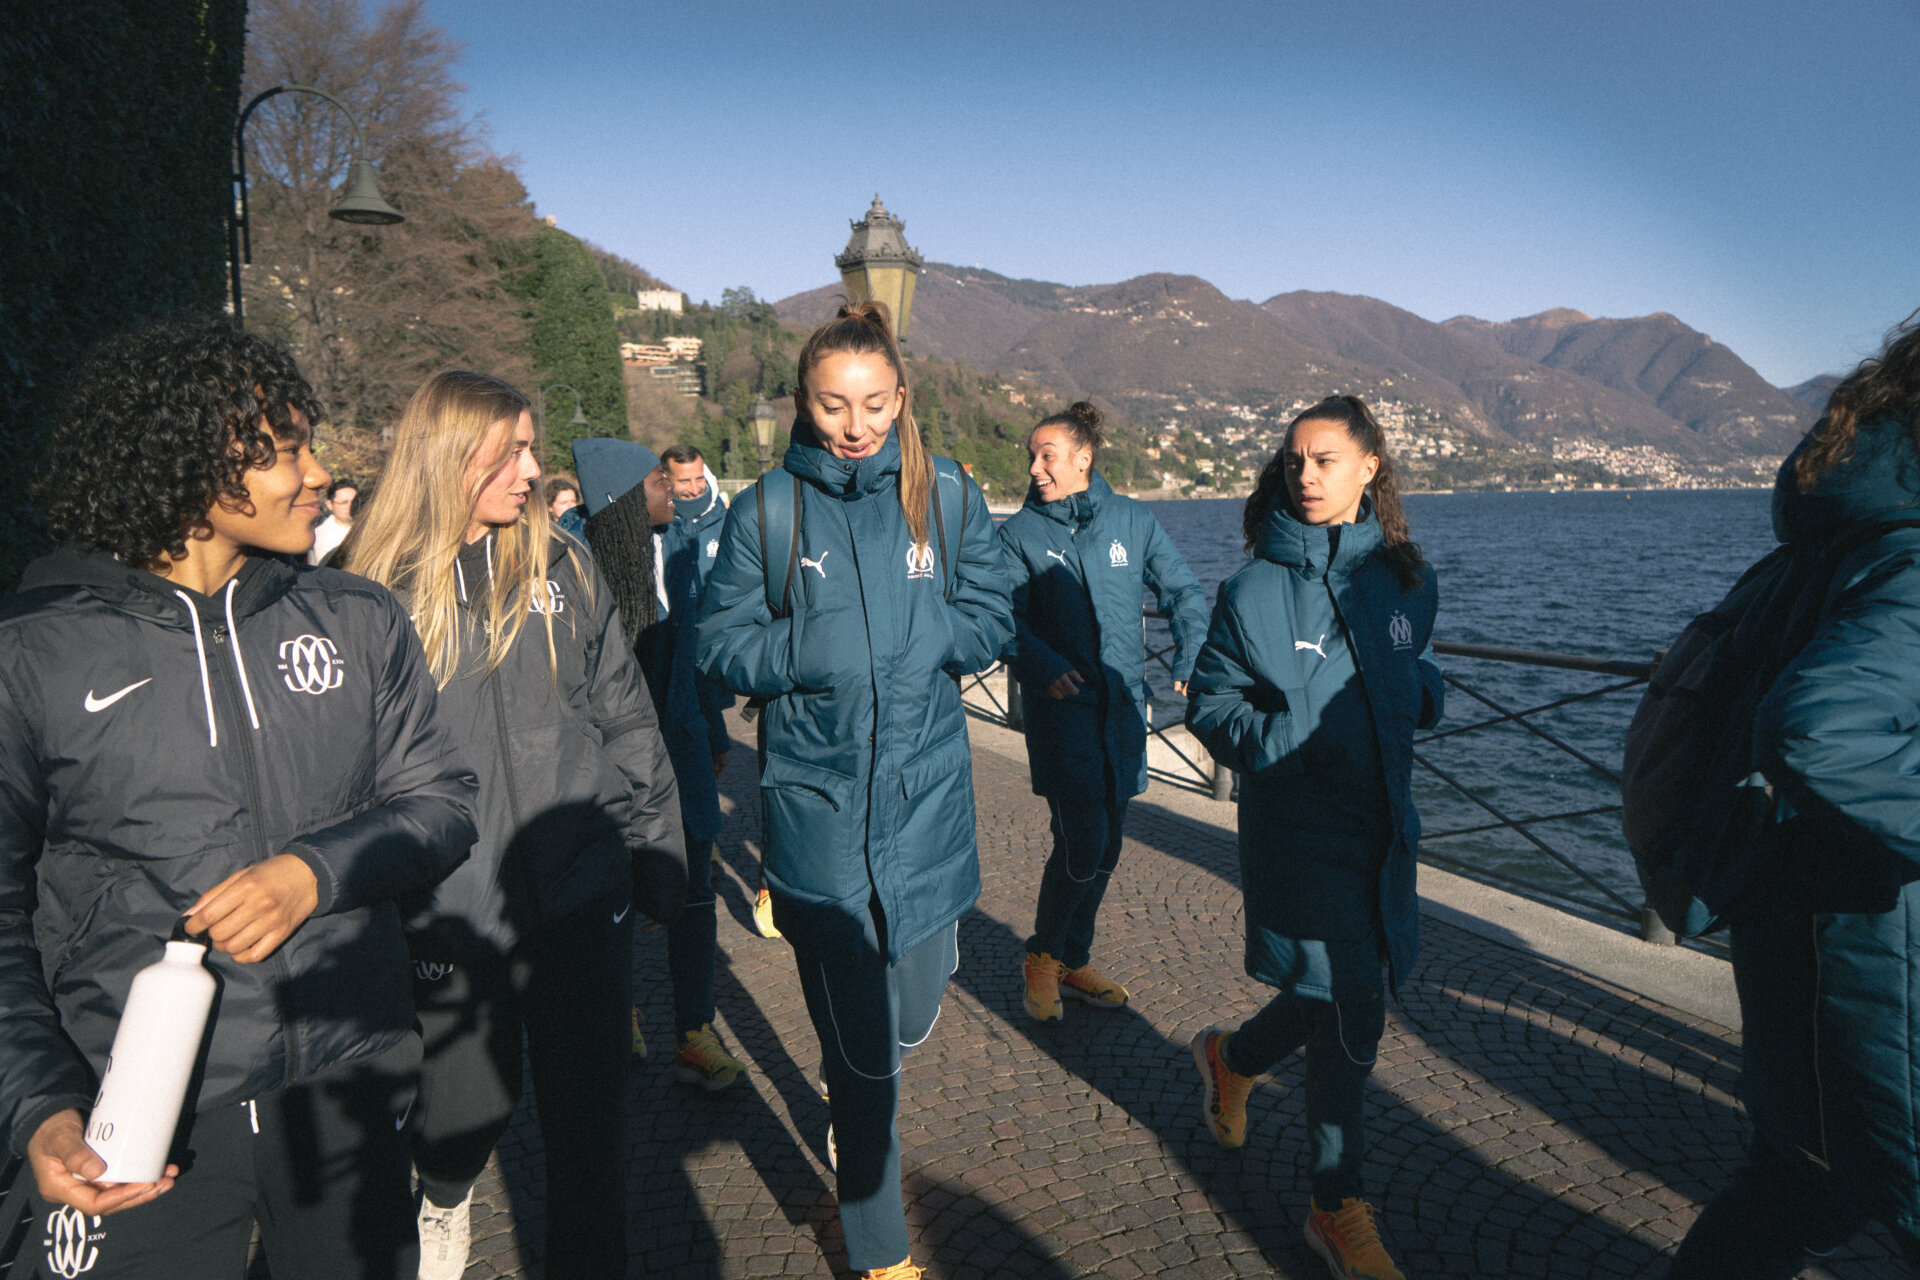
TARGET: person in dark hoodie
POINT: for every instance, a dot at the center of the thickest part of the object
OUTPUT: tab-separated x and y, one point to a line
1826	945
191	726
1316	671
687	512
1080	557
579	823
867	780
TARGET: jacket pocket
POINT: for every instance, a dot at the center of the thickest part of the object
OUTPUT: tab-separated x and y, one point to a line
786	773
938	762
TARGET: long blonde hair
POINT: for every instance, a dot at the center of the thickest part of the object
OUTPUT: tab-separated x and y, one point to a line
410	537
866	328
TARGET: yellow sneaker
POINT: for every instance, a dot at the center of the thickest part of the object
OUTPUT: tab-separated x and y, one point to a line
1086	985
763	914
1043	986
700	1060
1224	1092
1347	1238
639	1041
898	1271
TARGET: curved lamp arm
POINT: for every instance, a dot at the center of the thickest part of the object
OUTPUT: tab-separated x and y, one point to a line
362	205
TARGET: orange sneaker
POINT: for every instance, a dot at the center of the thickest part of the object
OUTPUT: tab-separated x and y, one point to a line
1224	1091
1086	985
1349	1241
1043	986
898	1271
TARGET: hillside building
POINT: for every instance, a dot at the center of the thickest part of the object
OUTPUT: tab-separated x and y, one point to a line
661	300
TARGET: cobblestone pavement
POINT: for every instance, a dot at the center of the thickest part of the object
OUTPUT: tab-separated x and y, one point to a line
1526	1120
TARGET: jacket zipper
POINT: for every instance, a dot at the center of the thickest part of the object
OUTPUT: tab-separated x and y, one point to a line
506	748
255	806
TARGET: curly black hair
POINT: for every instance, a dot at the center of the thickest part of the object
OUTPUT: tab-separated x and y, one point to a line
157	426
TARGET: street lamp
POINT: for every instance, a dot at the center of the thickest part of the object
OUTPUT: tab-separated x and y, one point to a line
361	205
763	423
579	418
878	263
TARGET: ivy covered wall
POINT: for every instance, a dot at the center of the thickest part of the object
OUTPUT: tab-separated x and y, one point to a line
116	132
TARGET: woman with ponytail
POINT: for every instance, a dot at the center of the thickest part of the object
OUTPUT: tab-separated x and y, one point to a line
874	580
1316	672
1080	556
578	817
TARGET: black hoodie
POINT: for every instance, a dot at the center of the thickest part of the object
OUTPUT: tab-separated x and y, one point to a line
154	741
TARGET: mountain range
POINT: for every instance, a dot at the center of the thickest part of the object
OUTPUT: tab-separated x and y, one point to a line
1160	340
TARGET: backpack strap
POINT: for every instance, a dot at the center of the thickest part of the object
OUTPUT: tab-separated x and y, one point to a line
949	567
784	495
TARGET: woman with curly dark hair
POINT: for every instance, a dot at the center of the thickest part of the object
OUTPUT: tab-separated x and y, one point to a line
192	727
1316	672
1826	943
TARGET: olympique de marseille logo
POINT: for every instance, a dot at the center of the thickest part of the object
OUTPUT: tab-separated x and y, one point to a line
1400	631
72	1242
312	665
919	561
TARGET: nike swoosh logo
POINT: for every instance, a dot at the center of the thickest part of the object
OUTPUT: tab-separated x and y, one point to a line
401	1123
101	704
623	913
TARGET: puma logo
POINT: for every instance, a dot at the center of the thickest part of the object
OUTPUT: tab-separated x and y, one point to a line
1058	556
1315	645
817	565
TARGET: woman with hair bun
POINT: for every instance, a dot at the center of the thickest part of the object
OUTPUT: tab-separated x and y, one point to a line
1316	672
1079	556
850	587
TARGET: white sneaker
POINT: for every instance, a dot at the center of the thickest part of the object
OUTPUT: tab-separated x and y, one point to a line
444	1237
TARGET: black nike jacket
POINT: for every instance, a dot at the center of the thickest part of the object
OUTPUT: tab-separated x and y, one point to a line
153	741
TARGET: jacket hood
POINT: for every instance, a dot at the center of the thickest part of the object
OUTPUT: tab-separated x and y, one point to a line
1879	480
261	580
809	459
1315	549
1075	508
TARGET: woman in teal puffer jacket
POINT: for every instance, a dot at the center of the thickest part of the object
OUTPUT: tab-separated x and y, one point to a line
1080	556
1826	947
1316	672
866	781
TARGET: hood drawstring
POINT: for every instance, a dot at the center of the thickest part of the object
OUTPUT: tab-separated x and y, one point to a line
461	576
233	632
200	648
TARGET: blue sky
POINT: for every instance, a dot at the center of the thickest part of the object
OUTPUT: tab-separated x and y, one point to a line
1748	167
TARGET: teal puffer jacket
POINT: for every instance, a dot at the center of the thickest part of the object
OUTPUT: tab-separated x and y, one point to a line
1828	955
868	782
1317	670
1079	566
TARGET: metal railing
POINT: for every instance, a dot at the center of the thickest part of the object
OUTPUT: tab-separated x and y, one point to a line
1579	887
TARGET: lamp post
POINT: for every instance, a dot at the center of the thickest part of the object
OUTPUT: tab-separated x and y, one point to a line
878	263
579	418
361	205
763	423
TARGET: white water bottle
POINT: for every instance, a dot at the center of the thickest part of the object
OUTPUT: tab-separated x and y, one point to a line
154	1051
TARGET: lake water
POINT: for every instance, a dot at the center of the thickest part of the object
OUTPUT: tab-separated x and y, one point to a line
1612	574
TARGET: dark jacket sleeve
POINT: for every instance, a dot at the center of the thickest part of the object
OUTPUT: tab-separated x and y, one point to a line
622	710
1179	595
741	644
1229	707
40	1072
981	608
1835	733
1034	661
421	825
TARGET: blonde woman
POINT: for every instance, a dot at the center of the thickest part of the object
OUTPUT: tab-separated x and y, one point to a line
866	779
578	819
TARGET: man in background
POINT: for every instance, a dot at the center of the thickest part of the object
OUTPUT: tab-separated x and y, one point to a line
333	530
686	510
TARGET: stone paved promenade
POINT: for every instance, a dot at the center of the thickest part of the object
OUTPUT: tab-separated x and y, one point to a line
1528	1120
